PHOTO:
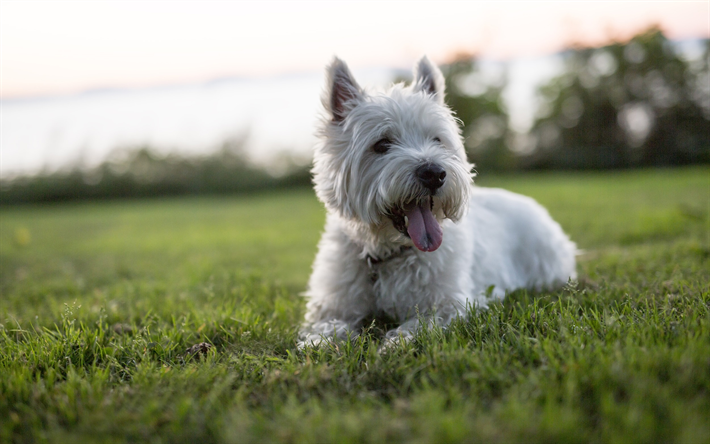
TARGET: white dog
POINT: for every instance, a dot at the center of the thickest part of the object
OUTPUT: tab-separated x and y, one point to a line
407	234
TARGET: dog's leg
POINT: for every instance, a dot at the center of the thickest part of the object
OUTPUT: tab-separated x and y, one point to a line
338	302
340	292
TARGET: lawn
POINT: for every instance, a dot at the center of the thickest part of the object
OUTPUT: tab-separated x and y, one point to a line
99	302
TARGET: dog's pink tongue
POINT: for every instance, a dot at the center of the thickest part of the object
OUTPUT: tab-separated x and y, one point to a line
423	228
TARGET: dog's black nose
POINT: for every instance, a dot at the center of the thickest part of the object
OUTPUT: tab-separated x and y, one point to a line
431	176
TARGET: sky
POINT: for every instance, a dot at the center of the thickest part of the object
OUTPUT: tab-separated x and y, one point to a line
61	47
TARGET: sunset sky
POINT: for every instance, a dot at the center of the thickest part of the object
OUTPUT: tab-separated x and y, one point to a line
57	47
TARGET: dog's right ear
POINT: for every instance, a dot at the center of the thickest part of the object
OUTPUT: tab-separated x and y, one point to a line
428	78
342	91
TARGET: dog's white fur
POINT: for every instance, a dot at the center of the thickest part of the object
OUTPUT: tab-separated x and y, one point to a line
491	237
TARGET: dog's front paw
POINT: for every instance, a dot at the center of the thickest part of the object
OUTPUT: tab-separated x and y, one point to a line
394	338
313	340
387	346
325	332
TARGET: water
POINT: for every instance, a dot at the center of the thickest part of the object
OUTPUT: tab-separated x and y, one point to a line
49	133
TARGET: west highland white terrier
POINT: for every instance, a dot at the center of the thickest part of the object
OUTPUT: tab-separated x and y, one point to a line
407	235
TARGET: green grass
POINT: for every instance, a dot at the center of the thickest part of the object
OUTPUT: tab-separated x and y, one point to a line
99	302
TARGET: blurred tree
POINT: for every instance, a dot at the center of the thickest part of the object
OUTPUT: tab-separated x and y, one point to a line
625	104
477	101
143	172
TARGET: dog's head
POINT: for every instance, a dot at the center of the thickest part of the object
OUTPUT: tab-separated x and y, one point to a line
392	163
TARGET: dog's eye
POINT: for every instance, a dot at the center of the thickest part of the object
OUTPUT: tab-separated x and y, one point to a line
437	140
382	146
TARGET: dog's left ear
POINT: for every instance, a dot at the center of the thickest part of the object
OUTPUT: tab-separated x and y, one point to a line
428	78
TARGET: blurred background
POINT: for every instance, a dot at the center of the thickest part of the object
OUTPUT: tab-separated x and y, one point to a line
109	99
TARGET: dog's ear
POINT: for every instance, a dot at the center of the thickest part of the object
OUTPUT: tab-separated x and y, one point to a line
428	78
342	91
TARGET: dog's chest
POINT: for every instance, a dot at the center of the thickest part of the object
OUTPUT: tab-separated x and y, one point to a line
403	284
